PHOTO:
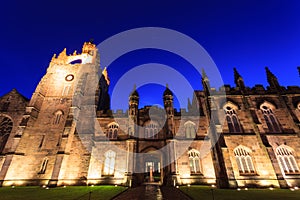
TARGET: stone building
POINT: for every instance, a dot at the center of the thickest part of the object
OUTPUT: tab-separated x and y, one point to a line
66	133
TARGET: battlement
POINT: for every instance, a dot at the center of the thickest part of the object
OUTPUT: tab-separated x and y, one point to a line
89	50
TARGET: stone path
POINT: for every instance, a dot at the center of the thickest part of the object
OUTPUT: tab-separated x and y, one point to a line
152	192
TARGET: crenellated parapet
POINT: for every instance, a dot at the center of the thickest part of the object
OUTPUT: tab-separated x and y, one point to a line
88	52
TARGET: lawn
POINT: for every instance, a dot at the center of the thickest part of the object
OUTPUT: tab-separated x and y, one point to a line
203	192
60	193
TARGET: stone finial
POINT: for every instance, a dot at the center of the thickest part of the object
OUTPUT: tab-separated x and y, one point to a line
53	57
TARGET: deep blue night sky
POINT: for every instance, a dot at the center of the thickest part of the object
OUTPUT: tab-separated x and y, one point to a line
248	35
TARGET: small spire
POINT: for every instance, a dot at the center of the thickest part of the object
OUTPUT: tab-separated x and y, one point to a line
238	80
63	54
236	74
134	91
75	53
53	57
272	79
167	91
204	75
189	104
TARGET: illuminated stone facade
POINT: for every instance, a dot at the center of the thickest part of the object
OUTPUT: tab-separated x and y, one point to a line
44	141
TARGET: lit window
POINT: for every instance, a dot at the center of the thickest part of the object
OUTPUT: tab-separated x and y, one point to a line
190	130
244	160
286	160
113	130
232	120
270	118
44	166
151	131
6	126
194	160
57	117
109	163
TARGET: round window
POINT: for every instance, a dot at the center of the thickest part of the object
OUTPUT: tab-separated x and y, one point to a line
69	77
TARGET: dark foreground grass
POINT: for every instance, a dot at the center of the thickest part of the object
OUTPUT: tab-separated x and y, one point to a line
60	193
203	192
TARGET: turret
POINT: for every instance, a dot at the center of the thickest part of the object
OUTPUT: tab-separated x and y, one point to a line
133	110
169	108
133	103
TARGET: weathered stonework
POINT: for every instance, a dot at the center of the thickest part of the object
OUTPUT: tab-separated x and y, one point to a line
54	139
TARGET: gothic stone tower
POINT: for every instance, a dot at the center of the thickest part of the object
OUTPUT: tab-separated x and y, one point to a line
49	148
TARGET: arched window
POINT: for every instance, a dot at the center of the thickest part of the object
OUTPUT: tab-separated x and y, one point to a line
113	130
232	120
43	166
57	117
151	131
109	163
286	160
244	160
6	126
270	118
190	129
194	160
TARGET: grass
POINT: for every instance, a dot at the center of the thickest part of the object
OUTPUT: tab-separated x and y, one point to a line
204	192
60	193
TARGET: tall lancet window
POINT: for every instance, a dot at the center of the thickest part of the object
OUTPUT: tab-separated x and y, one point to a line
109	163
244	160
43	166
286	160
6	126
113	130
233	122
190	129
57	117
271	121
194	160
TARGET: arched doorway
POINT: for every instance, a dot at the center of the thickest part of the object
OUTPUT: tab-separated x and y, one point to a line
152	163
